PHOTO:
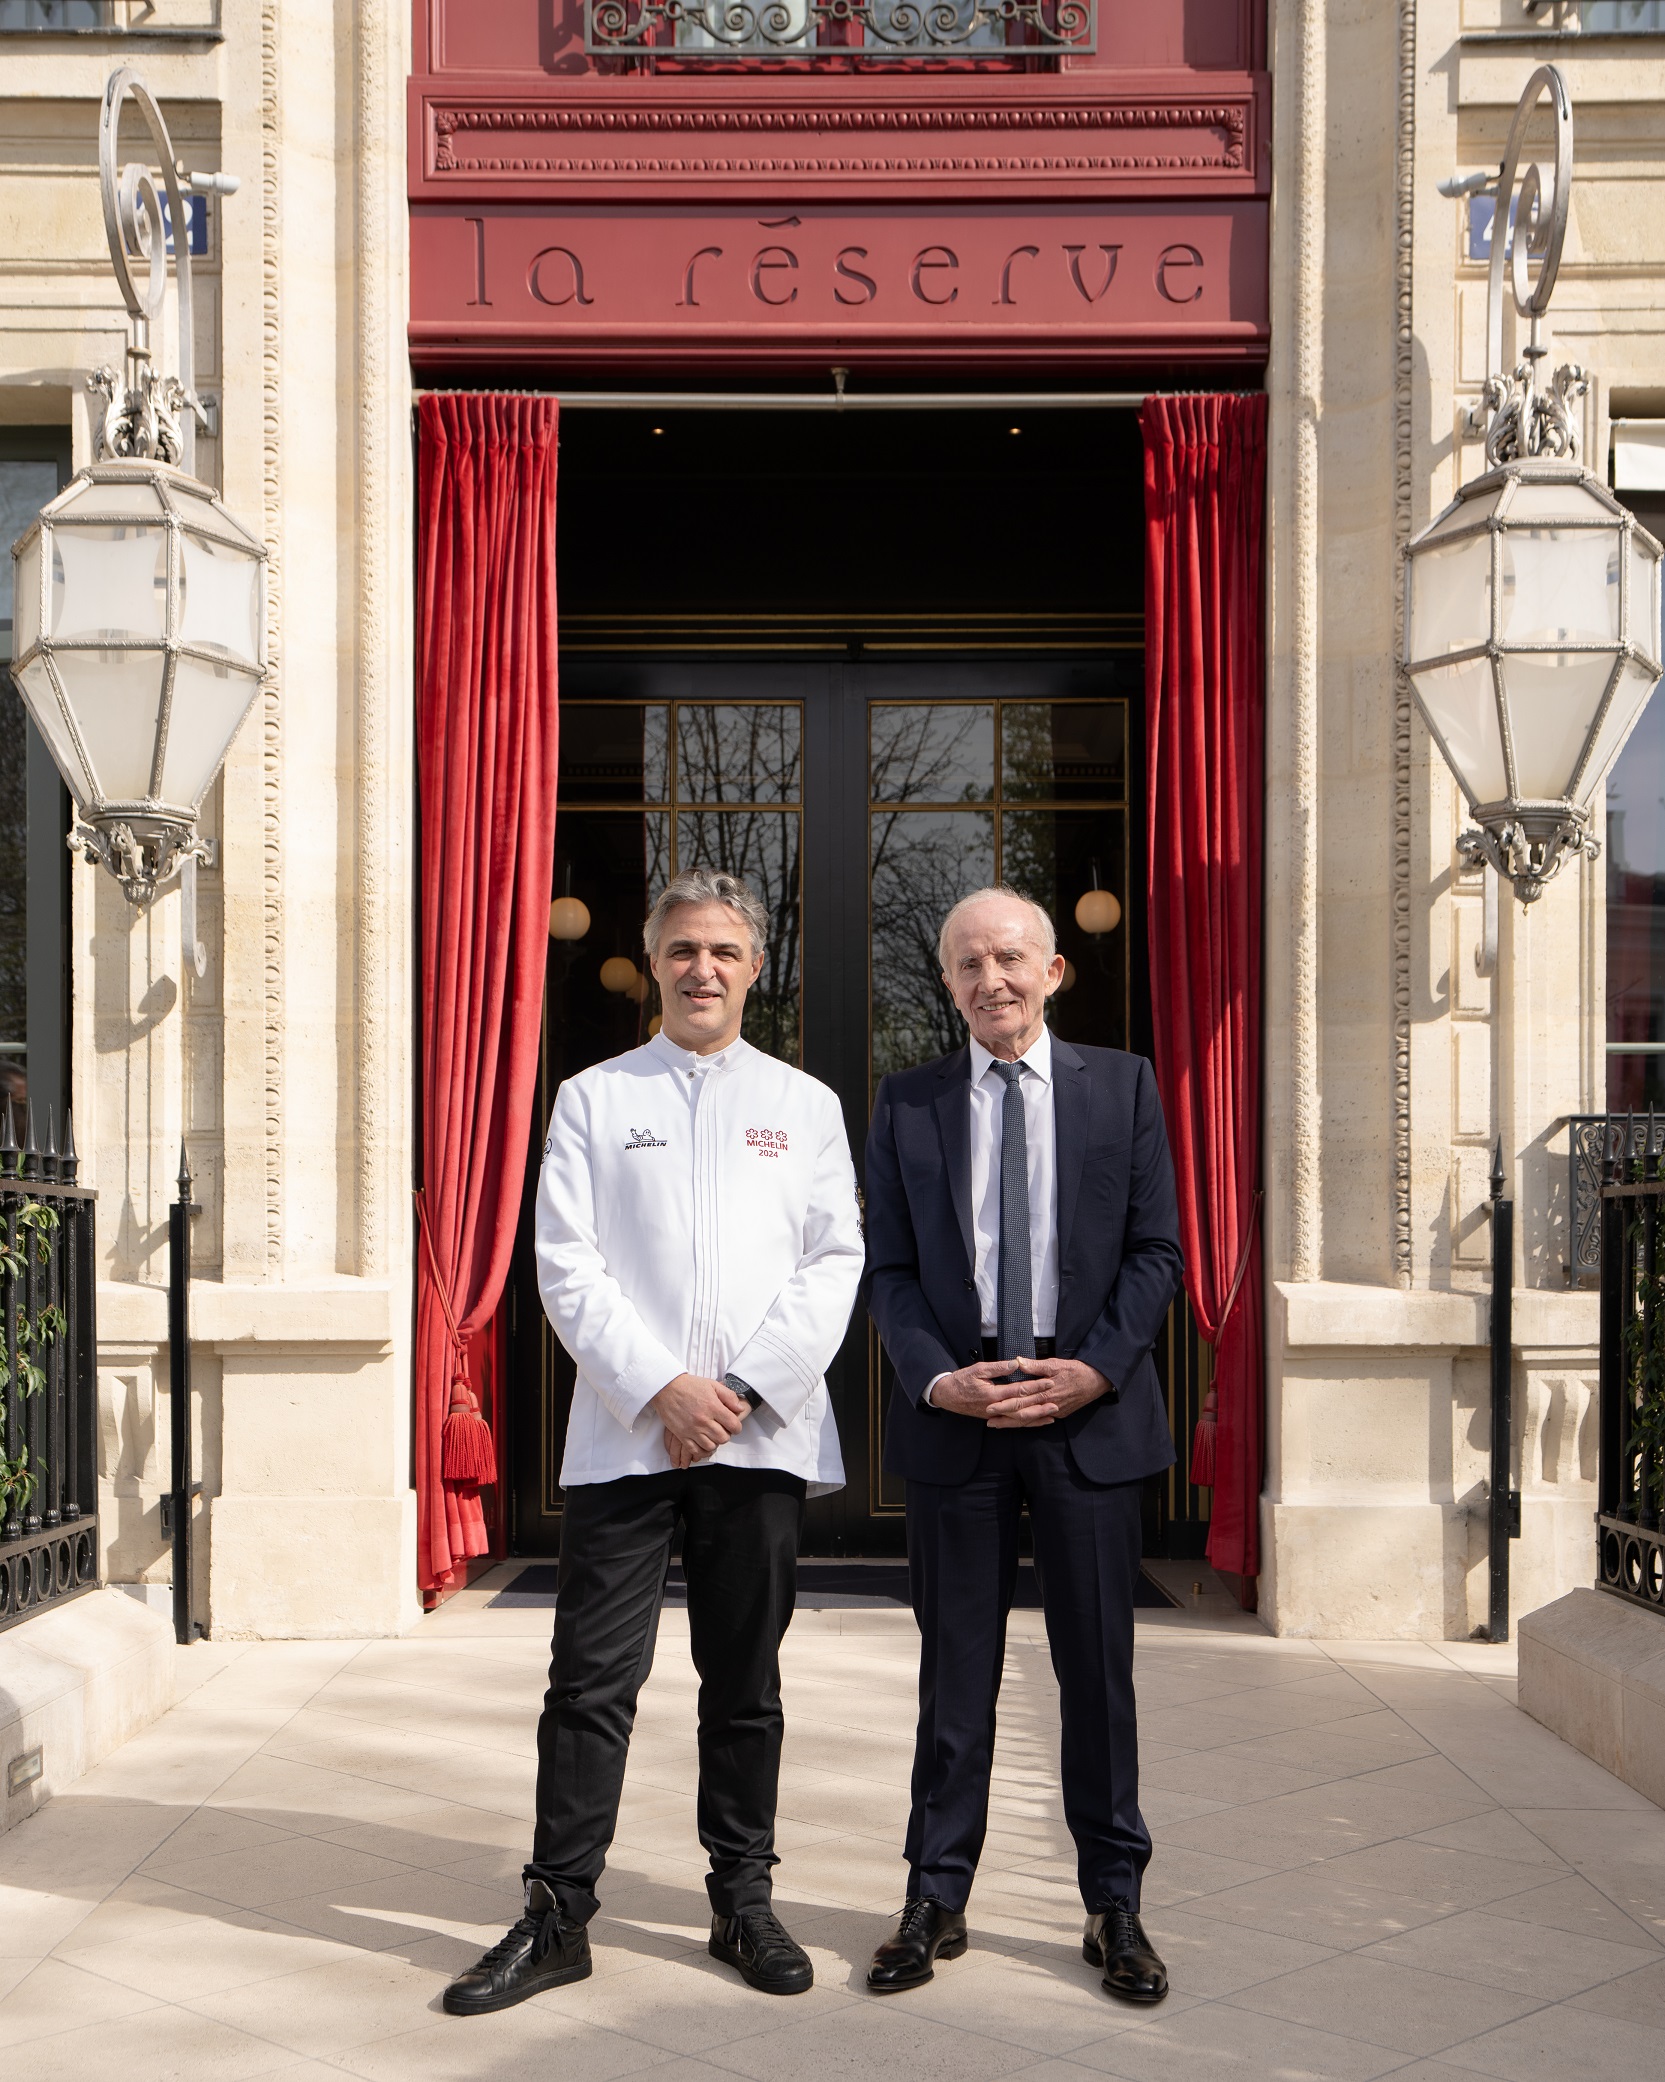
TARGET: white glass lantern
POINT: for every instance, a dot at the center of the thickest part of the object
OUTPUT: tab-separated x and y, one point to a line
140	632
1532	642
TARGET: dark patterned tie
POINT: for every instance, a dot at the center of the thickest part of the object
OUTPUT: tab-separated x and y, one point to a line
1017	1304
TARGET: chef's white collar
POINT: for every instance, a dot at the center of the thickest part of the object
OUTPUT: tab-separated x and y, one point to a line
1036	1057
684	1059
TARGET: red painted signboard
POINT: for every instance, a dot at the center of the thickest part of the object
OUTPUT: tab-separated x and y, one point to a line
1097	213
921	280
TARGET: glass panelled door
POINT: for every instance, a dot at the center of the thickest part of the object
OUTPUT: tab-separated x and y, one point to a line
1032	793
861	799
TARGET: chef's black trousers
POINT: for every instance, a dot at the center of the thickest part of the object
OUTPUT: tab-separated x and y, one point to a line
740	1529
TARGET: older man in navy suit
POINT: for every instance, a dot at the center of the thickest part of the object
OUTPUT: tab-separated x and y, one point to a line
1023	1250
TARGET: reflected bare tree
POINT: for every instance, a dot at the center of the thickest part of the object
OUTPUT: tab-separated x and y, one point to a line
940	754
740	753
761	846
924	861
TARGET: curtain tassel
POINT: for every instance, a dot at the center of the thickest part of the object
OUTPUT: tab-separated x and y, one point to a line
1202	1444
467	1453
1203	1438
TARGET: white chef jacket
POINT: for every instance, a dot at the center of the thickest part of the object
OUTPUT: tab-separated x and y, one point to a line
697	1214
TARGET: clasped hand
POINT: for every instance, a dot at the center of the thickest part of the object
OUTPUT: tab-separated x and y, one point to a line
1042	1391
699	1415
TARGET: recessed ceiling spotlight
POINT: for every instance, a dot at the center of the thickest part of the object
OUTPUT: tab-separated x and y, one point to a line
658	430
1014	430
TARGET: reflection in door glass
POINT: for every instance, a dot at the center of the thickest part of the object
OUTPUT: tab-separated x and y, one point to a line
14	849
923	862
1635	865
762	847
612	752
25	487
747	752
598	992
1065	762
619	838
937	753
1056	856
1063	751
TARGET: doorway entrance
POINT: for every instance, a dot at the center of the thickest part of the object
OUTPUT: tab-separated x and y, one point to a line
865	737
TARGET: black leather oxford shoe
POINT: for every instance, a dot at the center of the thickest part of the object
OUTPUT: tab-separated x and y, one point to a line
926	1933
1115	1940
761	1952
540	1951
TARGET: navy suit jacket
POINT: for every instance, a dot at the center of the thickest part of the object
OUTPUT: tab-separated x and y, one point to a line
1119	1257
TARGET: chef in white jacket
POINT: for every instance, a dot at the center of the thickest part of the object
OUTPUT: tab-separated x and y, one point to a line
699	1249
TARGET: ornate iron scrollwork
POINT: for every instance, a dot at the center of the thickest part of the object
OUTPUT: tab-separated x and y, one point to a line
915	29
1529	227
1528	849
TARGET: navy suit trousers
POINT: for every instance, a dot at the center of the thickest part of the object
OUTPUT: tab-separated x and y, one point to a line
962	1567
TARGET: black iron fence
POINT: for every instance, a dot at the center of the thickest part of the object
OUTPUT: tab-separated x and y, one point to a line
48	1375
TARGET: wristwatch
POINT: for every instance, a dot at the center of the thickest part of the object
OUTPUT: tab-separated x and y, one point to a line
744	1389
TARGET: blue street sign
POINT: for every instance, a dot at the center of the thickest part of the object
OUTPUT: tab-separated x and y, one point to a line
1481	210
196	215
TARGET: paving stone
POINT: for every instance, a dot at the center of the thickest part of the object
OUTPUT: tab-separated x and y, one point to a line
1366	1862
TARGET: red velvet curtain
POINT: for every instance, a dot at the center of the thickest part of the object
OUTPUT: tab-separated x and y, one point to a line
485	742
1205	478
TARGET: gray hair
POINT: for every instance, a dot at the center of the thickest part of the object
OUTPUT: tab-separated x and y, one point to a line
703	885
1045	931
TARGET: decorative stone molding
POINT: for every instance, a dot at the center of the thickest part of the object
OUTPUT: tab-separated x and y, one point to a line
271	743
1404	364
647	126
374	86
626	137
1307	177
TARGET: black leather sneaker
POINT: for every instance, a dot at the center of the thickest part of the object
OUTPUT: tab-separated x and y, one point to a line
539	1952
1115	1940
761	1952
926	1933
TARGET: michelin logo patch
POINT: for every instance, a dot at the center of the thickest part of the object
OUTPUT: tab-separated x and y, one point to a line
644	1138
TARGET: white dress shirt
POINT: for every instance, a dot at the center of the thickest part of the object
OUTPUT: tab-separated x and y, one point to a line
697	1214
989	1098
989	1095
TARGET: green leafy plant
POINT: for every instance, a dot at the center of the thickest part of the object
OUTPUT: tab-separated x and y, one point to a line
17	1481
31	1236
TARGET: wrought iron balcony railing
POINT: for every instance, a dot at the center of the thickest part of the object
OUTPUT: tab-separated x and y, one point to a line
1630	1520
915	30
48	1377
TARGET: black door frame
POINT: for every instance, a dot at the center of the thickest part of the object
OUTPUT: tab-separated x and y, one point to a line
834	892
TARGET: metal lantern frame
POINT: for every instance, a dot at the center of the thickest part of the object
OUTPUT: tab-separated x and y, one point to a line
140	839
1524	838
145	436
1532	439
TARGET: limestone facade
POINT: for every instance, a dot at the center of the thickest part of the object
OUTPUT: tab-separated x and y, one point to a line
287	1069
1392	1065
